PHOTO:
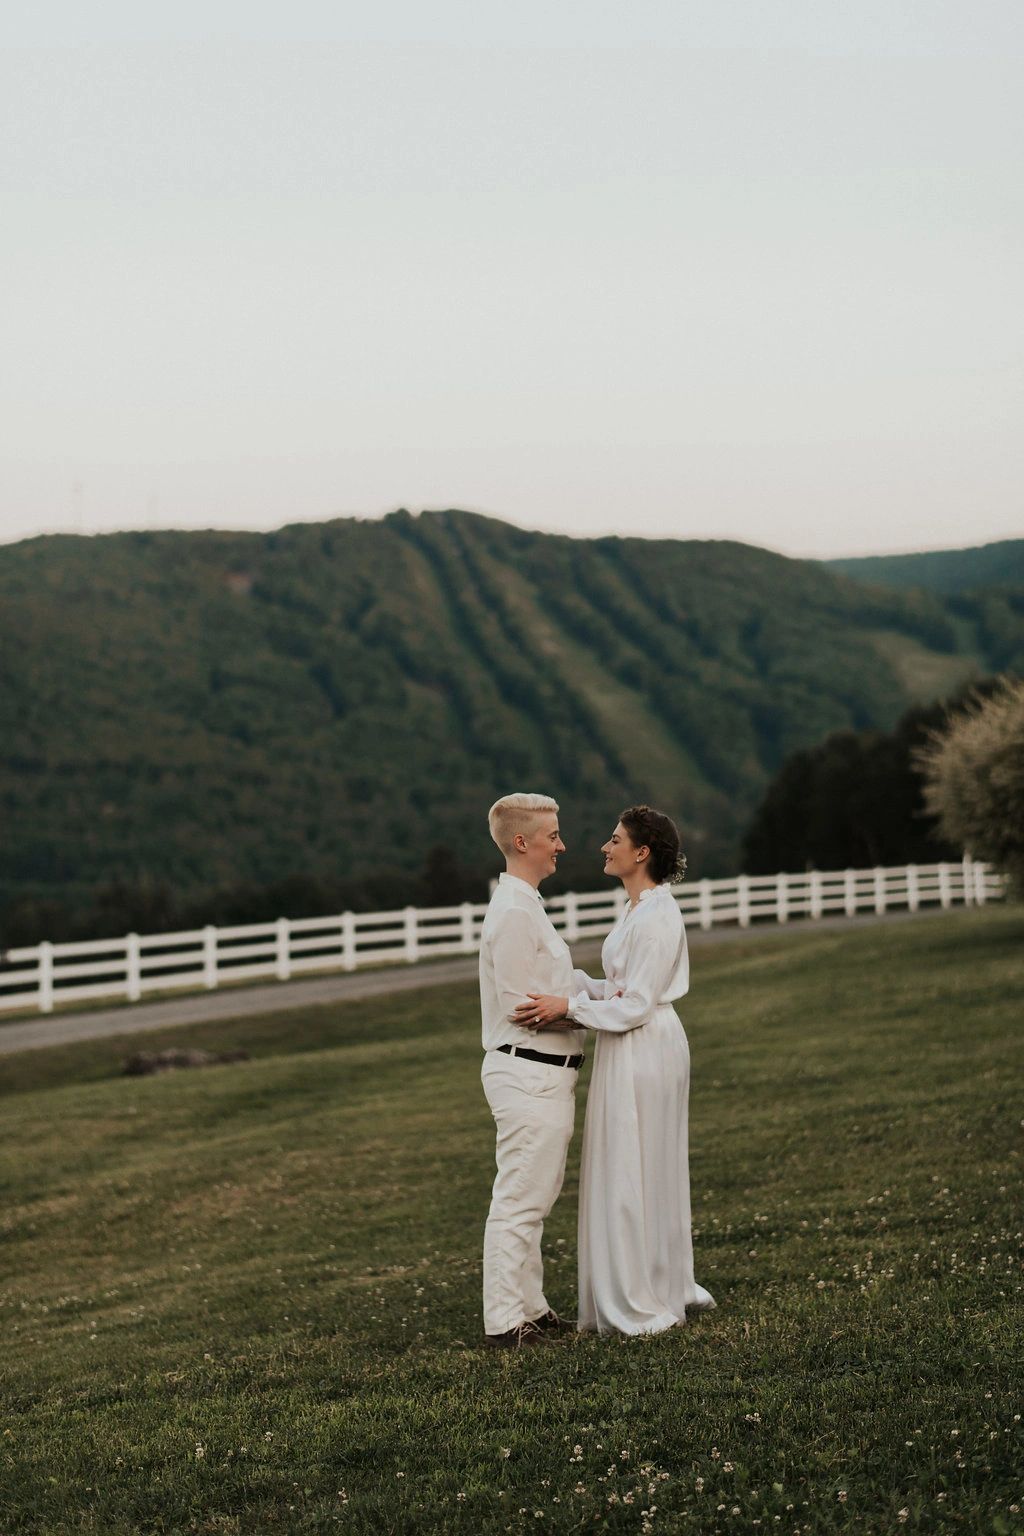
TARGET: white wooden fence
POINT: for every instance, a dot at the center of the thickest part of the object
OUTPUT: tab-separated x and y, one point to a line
47	974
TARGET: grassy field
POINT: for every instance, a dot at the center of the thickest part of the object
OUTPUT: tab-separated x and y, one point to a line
246	1299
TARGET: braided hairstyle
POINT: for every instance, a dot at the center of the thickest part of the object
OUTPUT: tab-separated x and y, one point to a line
651	829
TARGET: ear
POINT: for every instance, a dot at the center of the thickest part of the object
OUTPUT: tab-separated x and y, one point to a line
643	854
519	843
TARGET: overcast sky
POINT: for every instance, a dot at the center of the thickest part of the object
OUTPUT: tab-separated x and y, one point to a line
733	270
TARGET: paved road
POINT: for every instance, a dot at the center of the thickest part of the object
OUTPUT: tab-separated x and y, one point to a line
243	1002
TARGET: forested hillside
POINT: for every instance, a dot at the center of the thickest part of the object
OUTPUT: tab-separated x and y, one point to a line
196	712
983	586
948	571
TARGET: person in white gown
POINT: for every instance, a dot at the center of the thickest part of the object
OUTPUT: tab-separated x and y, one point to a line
636	1271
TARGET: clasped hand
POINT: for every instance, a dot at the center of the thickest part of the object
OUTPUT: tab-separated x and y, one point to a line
541	1012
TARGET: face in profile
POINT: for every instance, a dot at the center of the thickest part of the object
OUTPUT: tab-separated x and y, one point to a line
620	853
543	845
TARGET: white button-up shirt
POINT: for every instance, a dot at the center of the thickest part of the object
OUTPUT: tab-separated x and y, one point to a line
520	952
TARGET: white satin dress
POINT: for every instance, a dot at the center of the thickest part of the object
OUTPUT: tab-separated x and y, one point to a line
635	1238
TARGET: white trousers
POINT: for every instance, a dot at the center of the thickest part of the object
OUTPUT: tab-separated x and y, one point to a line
534	1106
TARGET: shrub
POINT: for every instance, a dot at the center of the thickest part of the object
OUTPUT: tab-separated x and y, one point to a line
974	778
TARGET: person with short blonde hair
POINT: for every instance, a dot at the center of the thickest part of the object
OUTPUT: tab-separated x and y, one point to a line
516	816
530	1091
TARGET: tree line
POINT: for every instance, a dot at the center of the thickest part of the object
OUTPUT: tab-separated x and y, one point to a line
220	727
948	777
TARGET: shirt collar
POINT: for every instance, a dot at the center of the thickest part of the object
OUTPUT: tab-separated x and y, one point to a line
507	879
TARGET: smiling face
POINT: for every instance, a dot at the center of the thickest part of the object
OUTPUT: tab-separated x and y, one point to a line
537	851
621	855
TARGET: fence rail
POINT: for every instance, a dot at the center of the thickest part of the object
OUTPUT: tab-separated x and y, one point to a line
47	974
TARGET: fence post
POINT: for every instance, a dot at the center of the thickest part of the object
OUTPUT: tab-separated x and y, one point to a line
348	941
283	965
133	968
879	889
945	897
46	977
973	882
209	956
466	920
913	898
412	948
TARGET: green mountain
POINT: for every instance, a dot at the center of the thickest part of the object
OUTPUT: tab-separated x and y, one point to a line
946	571
982	587
336	700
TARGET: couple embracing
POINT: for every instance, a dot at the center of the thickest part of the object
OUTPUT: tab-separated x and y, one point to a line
635	1243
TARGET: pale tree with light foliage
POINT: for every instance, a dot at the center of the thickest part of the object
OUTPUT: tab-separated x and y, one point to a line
974	778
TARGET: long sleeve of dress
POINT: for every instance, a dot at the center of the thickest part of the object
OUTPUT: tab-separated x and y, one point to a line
648	970
591	985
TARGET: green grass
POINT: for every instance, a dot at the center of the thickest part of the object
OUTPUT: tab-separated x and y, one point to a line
246	1299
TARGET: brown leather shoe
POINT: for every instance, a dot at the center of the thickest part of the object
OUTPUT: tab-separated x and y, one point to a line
523	1336
550	1322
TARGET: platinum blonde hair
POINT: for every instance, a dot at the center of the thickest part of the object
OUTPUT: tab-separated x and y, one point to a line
515	814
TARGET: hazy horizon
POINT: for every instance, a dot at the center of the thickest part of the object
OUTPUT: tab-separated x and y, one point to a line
720	274
512	522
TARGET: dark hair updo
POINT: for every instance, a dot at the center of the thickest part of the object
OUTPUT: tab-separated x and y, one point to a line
648	828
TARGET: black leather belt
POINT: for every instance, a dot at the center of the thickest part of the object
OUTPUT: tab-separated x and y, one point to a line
554	1061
